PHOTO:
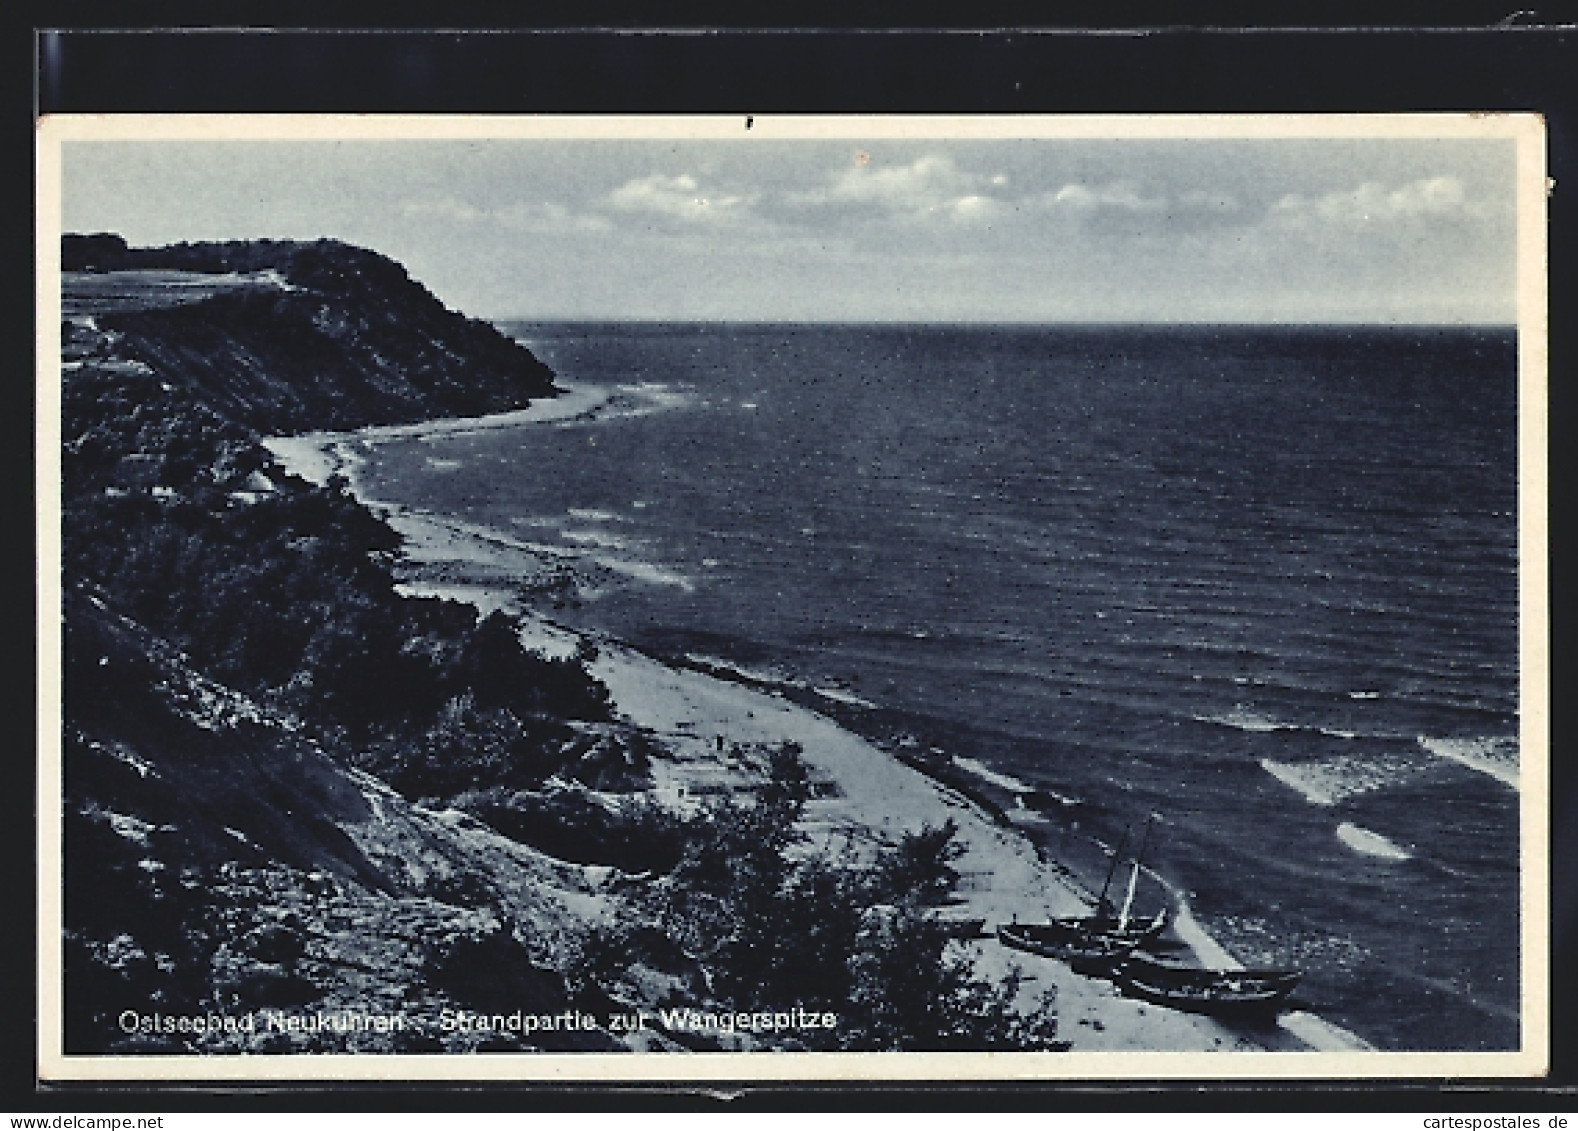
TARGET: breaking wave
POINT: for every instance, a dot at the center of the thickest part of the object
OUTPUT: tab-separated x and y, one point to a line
839	695
1241	718
1329	781
595	538
1495	757
1368	843
1255	722
590	514
982	771
645	572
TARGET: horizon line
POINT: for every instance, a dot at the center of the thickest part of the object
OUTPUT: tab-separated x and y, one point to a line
1094	323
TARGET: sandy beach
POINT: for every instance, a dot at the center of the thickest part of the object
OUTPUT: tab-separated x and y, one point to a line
712	729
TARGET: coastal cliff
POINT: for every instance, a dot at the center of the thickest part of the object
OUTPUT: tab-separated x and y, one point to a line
239	665
282	337
306	811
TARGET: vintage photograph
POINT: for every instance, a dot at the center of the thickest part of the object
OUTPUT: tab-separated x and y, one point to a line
746	597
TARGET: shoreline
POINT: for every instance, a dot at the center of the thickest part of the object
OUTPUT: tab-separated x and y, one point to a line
318	456
872	793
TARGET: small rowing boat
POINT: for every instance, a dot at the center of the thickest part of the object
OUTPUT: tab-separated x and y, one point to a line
1198	990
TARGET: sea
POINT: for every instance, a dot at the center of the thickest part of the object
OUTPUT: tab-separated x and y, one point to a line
1247	594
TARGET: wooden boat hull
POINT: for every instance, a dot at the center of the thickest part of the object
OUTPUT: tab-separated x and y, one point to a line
1087	950
1098	957
1217	992
1054	934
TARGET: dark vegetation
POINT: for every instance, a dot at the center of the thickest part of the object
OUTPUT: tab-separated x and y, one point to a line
176	516
192	561
236	648
858	936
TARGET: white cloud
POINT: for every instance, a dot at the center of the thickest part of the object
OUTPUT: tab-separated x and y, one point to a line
680	197
969	207
1439	197
931	186
1121	196
922	183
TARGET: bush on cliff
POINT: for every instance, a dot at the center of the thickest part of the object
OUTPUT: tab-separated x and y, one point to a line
859	937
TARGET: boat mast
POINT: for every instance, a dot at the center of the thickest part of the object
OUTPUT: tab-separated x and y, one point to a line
1117	854
1134	877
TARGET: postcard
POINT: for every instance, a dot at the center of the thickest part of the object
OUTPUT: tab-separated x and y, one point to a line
792	598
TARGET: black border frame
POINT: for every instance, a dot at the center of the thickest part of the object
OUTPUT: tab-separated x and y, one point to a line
1102	58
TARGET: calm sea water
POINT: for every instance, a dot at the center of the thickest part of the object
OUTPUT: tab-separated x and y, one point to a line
1262	584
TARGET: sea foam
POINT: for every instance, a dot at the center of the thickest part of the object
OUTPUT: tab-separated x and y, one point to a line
1328	781
987	774
1241	718
1496	757
839	695
645	398
1368	843
646	572
595	538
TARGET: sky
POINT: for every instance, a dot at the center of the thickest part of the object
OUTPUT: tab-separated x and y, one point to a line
887	229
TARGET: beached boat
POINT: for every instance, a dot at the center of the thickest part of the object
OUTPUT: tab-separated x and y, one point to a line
1198	990
1057	938
1092	950
1092	944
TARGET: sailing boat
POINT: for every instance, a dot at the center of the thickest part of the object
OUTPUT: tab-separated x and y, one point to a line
1096	943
